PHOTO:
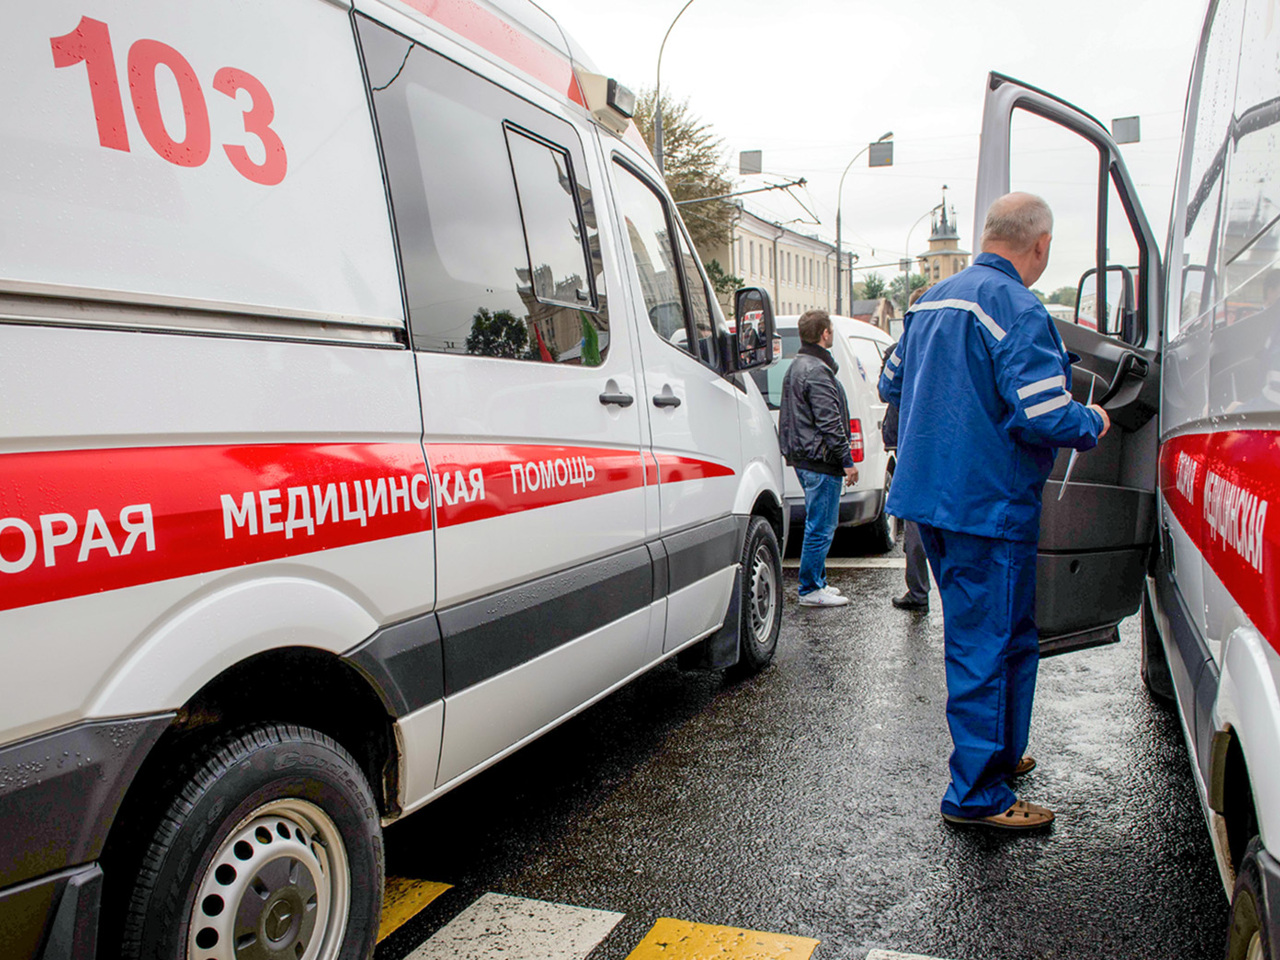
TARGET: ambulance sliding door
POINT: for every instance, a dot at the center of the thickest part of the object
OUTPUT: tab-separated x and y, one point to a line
1104	265
528	391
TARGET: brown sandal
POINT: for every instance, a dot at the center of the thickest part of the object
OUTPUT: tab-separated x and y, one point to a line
1025	765
1021	816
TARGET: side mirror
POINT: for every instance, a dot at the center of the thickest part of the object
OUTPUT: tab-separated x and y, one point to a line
1113	317
753	339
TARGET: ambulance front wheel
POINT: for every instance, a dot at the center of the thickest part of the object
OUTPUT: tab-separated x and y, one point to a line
1249	936
761	596
271	847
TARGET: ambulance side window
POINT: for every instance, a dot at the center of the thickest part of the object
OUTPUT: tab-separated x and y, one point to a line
1251	240
493	214
1197	290
659	252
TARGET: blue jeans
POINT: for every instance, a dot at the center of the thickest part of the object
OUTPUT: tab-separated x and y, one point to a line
821	511
988	592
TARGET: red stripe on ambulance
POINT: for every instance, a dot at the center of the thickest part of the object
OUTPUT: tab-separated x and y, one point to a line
82	521
674	468
479	481
1221	486
506	41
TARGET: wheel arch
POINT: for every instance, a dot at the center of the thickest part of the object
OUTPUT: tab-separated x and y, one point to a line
1243	786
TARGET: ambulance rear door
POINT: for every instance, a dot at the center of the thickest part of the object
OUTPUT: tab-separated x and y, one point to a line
1096	534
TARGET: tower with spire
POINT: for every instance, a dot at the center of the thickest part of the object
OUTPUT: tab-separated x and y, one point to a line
944	258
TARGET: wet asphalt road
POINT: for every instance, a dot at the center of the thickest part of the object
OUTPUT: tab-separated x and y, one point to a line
805	801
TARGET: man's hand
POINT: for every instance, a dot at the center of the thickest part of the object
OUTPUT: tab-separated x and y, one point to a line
851	475
1106	420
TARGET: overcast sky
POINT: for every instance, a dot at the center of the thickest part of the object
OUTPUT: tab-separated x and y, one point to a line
810	82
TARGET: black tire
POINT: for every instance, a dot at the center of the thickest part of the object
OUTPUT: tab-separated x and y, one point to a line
761	600
274	808
1155	664
1249	935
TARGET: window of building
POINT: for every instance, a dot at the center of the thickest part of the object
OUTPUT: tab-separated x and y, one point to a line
493	212
752	248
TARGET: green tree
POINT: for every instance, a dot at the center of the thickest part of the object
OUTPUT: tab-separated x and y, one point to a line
723	283
1039	295
497	335
873	286
897	284
694	166
1063	295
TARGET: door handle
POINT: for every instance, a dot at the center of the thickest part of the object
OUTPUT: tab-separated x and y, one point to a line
621	399
666	400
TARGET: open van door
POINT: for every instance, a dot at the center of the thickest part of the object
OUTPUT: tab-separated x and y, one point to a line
1096	532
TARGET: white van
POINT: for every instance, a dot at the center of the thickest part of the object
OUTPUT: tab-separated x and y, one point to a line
1171	512
858	349
345	447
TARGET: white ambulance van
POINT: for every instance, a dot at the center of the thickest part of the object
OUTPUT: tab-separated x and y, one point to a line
1171	513
347	444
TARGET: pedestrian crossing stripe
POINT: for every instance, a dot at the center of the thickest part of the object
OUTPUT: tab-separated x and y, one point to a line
679	940
403	899
515	928
499	927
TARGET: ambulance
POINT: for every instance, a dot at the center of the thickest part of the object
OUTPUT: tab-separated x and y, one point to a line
1170	515
367	413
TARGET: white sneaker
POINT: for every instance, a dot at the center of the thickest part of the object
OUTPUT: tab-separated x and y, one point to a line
820	598
832	591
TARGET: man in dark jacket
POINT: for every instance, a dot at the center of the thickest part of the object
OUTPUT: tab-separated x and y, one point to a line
813	427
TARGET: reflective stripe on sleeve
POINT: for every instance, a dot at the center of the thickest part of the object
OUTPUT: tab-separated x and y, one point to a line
1049	405
894	359
1040	386
993	328
889	373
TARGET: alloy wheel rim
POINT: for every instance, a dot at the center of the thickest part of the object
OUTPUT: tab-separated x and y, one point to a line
277	888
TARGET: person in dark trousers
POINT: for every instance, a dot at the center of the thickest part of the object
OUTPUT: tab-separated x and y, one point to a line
983	388
813	429
916	598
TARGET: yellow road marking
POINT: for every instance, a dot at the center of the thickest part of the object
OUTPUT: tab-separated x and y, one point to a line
680	940
403	899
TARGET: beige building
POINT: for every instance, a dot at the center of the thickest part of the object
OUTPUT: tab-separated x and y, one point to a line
944	257
798	270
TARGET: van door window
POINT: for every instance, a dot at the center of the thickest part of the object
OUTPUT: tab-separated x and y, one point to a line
1068	171
553	227
1251	242
1197	291
681	306
497	235
702	303
653	256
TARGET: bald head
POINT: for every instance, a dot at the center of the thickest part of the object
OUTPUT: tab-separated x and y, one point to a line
1019	227
1016	221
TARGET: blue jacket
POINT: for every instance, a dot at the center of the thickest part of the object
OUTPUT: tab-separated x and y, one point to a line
983	388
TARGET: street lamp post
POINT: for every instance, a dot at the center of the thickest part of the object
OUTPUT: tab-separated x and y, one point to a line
839	196
657	94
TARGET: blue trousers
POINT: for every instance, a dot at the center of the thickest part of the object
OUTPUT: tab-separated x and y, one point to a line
988	589
821	513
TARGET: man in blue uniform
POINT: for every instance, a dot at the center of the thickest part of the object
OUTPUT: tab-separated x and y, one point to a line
983	388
